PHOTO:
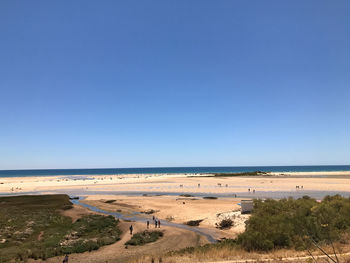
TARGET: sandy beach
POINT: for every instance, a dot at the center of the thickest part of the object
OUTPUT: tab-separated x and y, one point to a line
179	183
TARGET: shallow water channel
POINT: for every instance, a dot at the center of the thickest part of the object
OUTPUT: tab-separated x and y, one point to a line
140	217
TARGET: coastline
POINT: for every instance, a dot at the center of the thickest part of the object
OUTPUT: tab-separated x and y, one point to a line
171	170
178	183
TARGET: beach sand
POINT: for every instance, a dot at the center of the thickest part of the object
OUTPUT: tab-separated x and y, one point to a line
179	183
179	210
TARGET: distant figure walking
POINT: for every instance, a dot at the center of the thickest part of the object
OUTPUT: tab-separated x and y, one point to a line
147	224
155	223
131	229
158	223
248	189
153	218
65	260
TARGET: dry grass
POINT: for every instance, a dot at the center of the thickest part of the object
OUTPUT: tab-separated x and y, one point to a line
221	254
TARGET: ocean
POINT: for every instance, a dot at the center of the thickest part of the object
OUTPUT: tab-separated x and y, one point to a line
172	170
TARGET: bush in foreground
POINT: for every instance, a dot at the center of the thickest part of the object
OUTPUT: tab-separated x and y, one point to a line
290	223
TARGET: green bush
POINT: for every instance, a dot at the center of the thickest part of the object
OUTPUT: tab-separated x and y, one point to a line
110	201
290	223
144	237
225	223
194	222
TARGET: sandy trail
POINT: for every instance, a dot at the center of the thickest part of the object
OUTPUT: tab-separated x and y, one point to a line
173	239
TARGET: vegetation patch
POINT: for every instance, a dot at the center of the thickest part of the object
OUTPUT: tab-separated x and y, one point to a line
110	201
144	237
150	211
194	222
225	223
33	227
210	197
231	244
255	173
297	224
186	195
169	218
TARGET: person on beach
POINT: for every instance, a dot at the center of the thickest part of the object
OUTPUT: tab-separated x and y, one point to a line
153	218
155	223
158	223
131	229
147	224
65	260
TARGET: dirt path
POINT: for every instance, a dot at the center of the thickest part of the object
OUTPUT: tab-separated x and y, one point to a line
173	239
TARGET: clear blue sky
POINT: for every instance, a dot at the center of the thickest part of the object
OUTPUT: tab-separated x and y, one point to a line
174	83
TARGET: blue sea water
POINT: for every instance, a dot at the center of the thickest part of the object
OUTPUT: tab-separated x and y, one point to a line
172	170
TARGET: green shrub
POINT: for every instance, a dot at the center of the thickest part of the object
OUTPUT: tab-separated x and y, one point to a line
194	222
290	223
110	201
144	237
225	223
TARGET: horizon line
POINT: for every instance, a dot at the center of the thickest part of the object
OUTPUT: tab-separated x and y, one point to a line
155	167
